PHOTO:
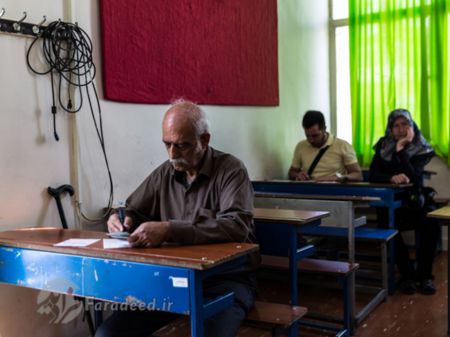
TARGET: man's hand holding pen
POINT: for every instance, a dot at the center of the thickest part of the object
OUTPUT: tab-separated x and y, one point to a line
148	234
115	225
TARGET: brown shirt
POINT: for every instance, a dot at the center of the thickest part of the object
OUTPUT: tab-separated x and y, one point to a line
216	207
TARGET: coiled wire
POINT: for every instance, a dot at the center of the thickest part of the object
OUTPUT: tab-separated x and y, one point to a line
67	50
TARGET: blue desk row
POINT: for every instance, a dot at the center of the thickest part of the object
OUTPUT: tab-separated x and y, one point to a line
387	194
168	278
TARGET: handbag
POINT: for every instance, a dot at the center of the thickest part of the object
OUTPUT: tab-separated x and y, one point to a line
421	197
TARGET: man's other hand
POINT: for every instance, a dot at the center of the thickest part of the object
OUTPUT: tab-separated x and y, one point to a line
150	234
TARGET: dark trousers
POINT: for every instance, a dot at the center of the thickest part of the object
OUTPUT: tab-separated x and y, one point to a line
427	232
224	324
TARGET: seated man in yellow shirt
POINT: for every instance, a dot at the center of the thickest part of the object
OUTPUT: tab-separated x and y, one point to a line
334	159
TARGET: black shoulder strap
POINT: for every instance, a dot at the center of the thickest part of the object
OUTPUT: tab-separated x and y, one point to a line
316	160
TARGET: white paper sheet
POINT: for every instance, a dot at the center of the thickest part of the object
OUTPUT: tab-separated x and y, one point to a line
76	243
115	243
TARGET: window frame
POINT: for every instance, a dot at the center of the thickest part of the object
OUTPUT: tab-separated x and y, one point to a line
333	25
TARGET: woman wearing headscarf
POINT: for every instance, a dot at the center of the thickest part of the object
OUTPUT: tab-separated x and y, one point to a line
400	158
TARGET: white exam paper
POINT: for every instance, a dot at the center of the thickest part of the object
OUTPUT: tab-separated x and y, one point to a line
115	243
76	242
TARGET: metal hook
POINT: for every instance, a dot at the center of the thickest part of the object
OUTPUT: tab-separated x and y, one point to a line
16	25
1	14
37	28
23	18
44	18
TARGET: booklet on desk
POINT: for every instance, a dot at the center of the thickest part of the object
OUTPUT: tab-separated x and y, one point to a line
115	243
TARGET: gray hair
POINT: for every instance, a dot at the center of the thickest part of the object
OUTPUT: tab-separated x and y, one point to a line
194	113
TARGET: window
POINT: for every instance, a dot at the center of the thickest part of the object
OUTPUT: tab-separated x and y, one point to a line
339	70
400	54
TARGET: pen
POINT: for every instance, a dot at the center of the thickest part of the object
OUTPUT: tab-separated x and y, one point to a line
121	214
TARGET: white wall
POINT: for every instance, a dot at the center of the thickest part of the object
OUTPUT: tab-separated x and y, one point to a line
31	161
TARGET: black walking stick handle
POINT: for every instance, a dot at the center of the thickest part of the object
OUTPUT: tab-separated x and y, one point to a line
56	193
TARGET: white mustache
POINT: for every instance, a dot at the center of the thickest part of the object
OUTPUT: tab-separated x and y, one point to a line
179	161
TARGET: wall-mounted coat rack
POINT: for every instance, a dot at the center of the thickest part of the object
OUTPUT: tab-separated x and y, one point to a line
20	26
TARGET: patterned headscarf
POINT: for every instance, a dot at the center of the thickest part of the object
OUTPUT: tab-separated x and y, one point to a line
418	146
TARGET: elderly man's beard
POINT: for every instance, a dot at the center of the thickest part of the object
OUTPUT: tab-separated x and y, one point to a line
178	162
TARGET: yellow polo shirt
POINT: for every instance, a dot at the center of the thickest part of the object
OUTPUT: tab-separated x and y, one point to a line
339	155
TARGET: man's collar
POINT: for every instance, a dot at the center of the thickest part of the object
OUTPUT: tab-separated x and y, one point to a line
330	140
207	164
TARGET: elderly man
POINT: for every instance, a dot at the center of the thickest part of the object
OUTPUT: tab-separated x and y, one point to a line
200	195
322	156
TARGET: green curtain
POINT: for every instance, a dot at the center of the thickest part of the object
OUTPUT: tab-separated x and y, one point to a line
399	58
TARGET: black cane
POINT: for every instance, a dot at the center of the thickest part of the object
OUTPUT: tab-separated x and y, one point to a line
56	193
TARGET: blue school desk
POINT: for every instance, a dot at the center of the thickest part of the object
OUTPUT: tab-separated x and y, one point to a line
169	278
277	233
387	194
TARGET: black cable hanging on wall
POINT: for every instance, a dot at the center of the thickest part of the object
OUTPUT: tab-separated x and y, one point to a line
67	50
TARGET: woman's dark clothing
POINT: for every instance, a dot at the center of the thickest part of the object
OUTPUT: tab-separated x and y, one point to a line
427	229
427	233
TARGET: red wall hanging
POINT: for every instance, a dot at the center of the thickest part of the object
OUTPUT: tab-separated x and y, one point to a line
221	52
